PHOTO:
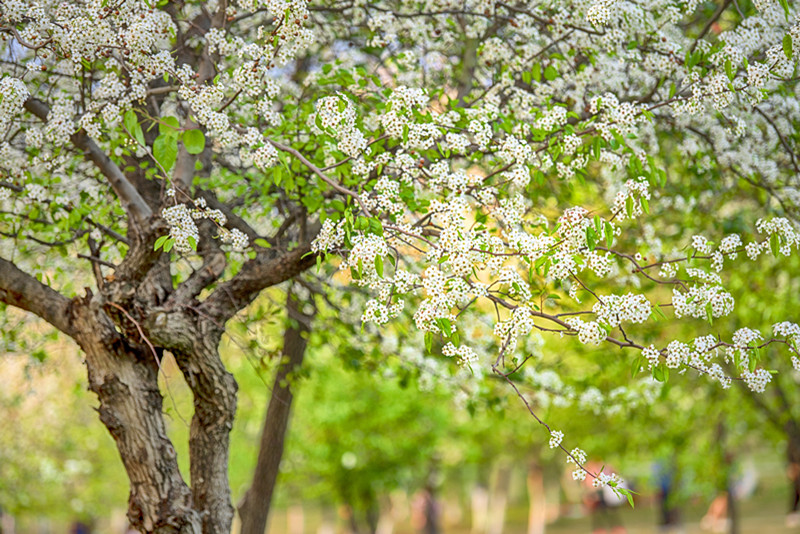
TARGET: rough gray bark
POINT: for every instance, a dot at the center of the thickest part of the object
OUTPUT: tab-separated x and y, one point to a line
193	342
124	330
125	378
254	508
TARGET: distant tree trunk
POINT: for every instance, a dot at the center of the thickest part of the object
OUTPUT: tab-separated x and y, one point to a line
386	520
498	499
536	499
295	519
372	516
7	525
731	505
254	508
733	512
793	467
480	508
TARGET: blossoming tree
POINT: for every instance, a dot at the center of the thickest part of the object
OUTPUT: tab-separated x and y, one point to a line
176	158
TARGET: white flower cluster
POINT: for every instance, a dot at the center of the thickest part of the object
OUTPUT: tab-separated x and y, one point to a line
555	438
265	156
758	380
13	94
603	479
366	248
677	354
378	313
784	229
464	354
589	333
183	229
36	192
235	237
701	244
652	355
578	457
338	113
616	309
786	329
699	300
599	11
330	236
636	190
402	102
181	226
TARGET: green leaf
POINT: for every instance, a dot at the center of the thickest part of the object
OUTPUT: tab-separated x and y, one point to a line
131	123
609	235
537	72
775	244
375	227
263	243
169	126
379	266
645	205
168	244
192	242
429	342
194	141
787	46
661	373
129	120
550	73
160	242
629	207
637	365
591	238
785	5
165	150
444	324
729	69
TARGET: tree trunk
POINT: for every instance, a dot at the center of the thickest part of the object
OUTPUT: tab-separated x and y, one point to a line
793	467
733	512
194	343
498	500
480	509
254	508
536	499
125	378
214	390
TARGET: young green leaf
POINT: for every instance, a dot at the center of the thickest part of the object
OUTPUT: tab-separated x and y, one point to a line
194	141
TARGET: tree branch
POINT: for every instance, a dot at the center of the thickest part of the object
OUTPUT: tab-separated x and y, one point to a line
269	268
20	289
